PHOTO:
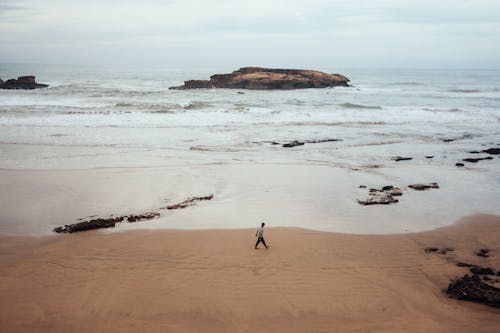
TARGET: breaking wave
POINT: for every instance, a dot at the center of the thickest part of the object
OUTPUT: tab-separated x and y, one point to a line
465	91
360	106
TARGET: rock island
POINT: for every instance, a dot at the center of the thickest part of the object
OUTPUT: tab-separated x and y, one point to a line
258	78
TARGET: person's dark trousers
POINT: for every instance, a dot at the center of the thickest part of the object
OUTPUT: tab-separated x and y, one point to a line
260	240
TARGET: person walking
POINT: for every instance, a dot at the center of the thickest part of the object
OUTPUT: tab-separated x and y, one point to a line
260	236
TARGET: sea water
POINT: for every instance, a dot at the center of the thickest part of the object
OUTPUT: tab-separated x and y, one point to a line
107	117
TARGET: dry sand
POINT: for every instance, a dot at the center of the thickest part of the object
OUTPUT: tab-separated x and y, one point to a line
213	281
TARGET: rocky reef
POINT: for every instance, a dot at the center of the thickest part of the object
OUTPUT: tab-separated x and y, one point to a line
258	78
112	221
22	82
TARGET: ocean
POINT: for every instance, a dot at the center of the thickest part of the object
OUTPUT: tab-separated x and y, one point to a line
104	117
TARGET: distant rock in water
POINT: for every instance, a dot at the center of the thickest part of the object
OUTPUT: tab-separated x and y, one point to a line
22	82
492	151
257	78
423	187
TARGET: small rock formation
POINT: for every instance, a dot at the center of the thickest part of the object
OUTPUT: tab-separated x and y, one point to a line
292	144
22	82
384	196
459	164
399	158
258	78
89	225
296	143
142	217
197	84
475	160
471	288
188	202
482	270
110	222
438	250
423	187
492	151
464	264
485	253
104	223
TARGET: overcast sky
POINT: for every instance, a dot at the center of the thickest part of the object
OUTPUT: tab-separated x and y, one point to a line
285	33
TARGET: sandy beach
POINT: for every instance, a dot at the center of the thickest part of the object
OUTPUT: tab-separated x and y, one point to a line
214	281
142	144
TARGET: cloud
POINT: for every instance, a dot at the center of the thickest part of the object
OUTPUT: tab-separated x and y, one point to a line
319	32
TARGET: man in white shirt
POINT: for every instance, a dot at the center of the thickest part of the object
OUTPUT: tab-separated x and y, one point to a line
260	236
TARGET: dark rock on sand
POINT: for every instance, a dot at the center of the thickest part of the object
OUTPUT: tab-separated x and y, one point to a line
459	164
22	82
438	250
296	143
258	78
399	158
378	200
189	202
492	151
100	223
323	140
89	225
293	144
464	264
112	221
475	160
423	187
384	196
142	217
471	288
485	253
429	156
482	270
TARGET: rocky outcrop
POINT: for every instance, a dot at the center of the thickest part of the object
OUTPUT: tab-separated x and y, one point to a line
22	82
258	78
481	287
439	250
471	288
423	187
104	222
400	158
485	253
475	160
384	196
111	222
188	202
492	151
296	143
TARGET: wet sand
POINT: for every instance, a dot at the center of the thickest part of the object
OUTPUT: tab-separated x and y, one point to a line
317	197
213	281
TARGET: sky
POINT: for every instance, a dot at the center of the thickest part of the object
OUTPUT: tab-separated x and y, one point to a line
236	33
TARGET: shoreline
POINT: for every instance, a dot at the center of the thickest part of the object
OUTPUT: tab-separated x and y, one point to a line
213	280
312	196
